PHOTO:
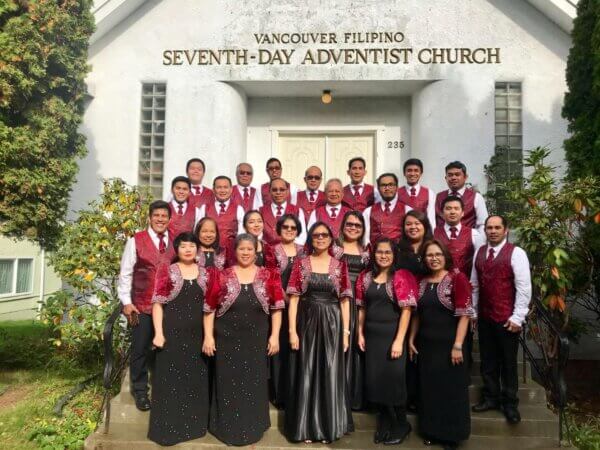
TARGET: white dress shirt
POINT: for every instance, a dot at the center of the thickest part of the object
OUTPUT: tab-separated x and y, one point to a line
192	192
313	215
481	212
477	238
301	238
128	262
257	203
367	215
520	266
201	213
176	204
361	188
430	202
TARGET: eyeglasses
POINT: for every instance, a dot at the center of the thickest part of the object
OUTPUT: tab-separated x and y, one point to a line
353	225
434	255
245	172
289	227
388	185
320	235
313	177
278	189
273	168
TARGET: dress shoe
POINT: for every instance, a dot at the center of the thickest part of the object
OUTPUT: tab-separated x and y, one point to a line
512	415
484	405
142	402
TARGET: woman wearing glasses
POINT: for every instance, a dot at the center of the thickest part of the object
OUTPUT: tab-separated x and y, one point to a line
319	321
356	256
437	334
385	299
210	253
288	228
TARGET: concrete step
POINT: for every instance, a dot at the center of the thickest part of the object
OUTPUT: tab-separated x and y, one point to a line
133	437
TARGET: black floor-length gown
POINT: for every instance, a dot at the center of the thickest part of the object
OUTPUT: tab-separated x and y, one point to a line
240	403
180	386
443	403
317	408
354	357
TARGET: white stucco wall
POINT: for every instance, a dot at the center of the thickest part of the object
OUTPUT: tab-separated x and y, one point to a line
450	118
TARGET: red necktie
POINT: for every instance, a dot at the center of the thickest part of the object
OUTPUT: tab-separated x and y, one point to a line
246	194
312	196
490	257
279	211
387	208
453	234
455	193
197	189
413	192
333	214
180	209
222	210
162	245
357	191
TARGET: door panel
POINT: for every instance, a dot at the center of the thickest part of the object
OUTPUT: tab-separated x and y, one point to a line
340	149
297	153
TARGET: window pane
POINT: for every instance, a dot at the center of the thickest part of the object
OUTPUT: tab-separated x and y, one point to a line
152	136
515	141
515	128
514	101
514	115
501	141
501	102
501	115
6	275
24	275
501	128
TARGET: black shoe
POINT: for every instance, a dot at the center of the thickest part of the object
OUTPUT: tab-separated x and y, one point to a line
142	402
512	415
484	405
399	437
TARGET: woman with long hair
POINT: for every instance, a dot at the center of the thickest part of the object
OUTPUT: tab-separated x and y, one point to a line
210	252
416	230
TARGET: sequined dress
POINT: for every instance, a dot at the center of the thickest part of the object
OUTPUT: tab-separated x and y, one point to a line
180	379
317	407
240	404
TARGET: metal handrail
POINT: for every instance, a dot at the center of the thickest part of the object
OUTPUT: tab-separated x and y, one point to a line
552	367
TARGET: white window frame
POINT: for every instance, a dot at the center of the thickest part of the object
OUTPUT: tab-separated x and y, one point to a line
13	292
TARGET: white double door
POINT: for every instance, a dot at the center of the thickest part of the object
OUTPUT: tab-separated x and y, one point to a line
330	152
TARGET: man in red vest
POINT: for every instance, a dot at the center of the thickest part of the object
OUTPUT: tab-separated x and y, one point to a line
461	241
243	192
312	197
358	195
228	214
279	206
413	194
501	294
274	171
332	212
195	170
474	204
183	211
143	254
384	218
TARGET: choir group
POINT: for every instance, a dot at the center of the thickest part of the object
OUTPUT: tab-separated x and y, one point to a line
321	302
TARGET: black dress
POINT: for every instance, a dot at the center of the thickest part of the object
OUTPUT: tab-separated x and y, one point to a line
317	406
279	367
180	379
240	404
385	377
443	404
354	357
209	259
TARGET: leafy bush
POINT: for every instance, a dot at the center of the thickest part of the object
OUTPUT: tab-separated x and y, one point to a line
24	344
585	435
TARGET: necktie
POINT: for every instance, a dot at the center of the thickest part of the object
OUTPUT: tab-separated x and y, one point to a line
222	210
162	245
455	193
490	257
333	214
246	194
453	234
197	189
387	208
279	211
357	191
312	196
180	209
413	192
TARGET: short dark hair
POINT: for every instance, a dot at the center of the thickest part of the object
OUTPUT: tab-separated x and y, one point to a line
248	214
270	160
216	245
357	158
245	237
375	269
502	219
285	217
412	162
222	177
278	179
159	204
186	236
193	160
445	251
387	174
181	179
456	165
361	219
309	239
453	198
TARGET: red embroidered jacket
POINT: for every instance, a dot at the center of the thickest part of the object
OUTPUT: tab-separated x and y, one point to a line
401	288
300	277
169	282
454	293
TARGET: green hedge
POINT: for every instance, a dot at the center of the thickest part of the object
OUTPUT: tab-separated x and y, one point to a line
24	344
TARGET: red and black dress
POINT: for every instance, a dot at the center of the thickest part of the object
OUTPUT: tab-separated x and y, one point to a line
240	403
217	259
318	406
180	381
443	400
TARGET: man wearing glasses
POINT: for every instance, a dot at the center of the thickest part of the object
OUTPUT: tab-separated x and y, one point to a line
358	195
332	212
243	193
274	171
385	217
312	197
279	205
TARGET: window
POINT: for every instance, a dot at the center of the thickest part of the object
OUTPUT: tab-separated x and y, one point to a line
16	276
152	137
